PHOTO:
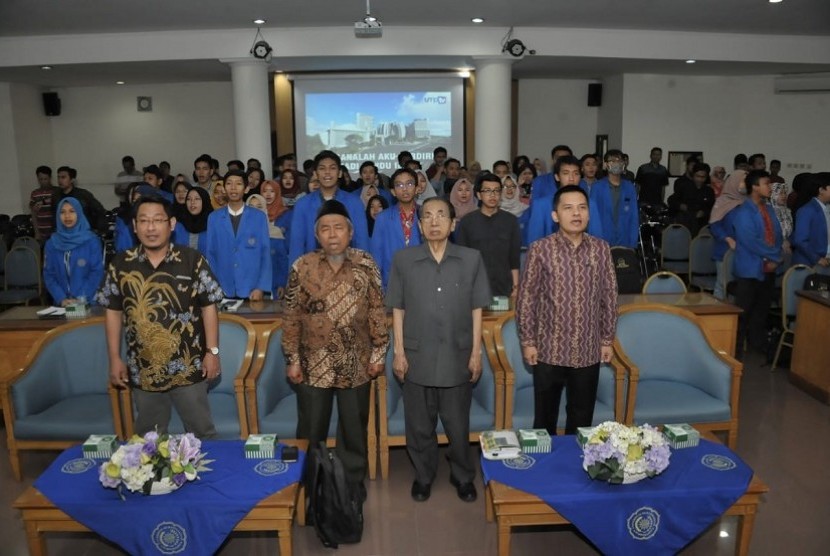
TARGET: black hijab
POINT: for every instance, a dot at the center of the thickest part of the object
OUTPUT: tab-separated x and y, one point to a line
198	223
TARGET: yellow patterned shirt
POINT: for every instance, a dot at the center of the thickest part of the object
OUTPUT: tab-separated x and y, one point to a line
162	309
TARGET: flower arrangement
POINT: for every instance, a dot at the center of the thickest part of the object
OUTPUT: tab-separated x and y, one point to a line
154	463
620	454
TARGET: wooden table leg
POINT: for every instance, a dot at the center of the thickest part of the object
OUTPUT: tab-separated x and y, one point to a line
300	517
504	537
37	544
489	514
285	540
745	524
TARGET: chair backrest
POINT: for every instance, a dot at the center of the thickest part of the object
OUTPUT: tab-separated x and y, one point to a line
675	243
272	385
664	282
27	241
22	268
237	338
627	269
793	281
704	231
700	256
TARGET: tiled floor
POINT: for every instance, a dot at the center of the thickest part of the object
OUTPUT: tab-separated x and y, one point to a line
783	435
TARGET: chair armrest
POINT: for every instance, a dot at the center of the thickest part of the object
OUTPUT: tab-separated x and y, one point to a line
622	363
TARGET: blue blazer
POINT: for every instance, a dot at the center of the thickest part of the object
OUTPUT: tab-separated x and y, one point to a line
721	230
302	240
809	239
241	262
626	232
387	238
751	248
182	237
86	269
543	186
539	223
124	237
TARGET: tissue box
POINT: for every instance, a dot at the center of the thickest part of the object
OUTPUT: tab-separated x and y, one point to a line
100	446
260	446
499	303
77	310
681	435
535	441
583	434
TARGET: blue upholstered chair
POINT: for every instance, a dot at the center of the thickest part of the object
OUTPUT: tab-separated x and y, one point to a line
486	410
674	248
519	404
23	281
793	280
664	282
272	399
676	375
62	394
702	270
226	393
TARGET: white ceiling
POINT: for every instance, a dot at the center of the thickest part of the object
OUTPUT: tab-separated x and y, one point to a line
20	18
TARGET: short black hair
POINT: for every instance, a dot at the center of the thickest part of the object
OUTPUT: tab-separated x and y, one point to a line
445	202
323	155
530	167
157	199
486	176
127	158
214	163
414	162
692	159
73	173
438	150
520	161
451	160
251	171
569	160
755	157
43	170
204	158
256	160
586	156
774	161
404	154
656	149
308	165
238	163
754	177
367	164
701	167
152	169
568	189
739	159
612	152
400	171
561	148
164	163
500	163
238	173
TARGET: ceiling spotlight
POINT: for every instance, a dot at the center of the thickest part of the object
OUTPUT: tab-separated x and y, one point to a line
478	20
45	67
119	82
691	61
259	21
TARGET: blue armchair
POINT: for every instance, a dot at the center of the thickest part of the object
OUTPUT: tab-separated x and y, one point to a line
226	393
486	410
519	404
62	394
676	375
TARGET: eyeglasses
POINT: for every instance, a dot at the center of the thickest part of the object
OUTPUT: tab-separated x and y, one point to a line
405	185
508	187
155	221
434	217
491	191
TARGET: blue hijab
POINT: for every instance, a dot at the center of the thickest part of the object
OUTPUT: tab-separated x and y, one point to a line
67	239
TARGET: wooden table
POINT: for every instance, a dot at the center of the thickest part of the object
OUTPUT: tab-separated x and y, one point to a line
719	318
275	513
511	508
810	365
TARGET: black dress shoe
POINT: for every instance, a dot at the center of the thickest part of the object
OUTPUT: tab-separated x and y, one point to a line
465	491
419	492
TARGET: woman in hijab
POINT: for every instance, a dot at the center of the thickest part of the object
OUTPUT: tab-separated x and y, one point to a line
180	199
722	224
510	196
74	260
279	248
191	228
218	196
424	189
780	191
125	237
462	198
716	180
375	206
278	214
290	189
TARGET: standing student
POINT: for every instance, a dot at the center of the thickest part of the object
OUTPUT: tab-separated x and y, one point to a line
566	314
396	227
812	225
615	214
566	171
279	248
43	203
722	224
191	227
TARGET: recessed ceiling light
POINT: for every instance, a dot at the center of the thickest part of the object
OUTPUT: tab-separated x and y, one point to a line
464	73
478	20
691	61
119	82
259	21
45	67
775	1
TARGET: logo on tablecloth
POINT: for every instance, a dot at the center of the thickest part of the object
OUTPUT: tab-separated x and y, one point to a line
169	537
718	462
78	466
521	463
270	467
643	523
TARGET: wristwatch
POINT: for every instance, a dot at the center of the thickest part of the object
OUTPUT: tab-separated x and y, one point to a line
214	350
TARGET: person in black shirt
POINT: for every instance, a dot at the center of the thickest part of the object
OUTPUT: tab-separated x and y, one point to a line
93	209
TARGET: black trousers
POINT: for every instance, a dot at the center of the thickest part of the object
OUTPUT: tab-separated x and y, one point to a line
755	298
314	415
422	407
581	388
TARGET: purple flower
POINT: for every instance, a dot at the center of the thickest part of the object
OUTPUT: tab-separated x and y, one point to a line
148	449
188	448
132	455
179	479
106	480
152	436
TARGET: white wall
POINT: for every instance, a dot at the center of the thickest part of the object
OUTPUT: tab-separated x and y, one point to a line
610	117
723	116
33	138
99	125
553	112
10	200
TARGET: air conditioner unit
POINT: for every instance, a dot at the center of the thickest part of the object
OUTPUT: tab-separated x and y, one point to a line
803	83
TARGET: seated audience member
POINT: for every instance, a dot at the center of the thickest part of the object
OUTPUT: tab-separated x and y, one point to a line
255	177
424	190
812	225
500	168
589	166
544	185
566	171
785	217
180	189
125	237
290	189
722	223
716	179
74	260
218	194
495	234
525	179
370	185
377	204
397	226
238	245
154	177
43	202
302	238
614	209
191	226
463	198
693	202
279	248
652	178
758	257
93	209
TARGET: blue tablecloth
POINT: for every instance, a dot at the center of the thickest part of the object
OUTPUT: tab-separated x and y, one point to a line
196	519
655	516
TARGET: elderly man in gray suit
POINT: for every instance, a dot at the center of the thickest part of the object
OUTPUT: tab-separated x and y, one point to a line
437	291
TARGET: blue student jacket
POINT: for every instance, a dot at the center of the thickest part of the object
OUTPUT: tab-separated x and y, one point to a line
279	252
302	240
538	222
626	232
241	262
124	237
387	239
86	269
809	239
543	186
751	248
722	229
182	237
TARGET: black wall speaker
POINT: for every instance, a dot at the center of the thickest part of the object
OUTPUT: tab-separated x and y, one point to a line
51	104
594	94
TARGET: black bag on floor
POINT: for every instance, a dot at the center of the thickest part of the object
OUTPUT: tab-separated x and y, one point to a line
627	268
335	507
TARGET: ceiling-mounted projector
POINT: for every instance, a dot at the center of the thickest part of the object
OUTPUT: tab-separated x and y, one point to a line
369	27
